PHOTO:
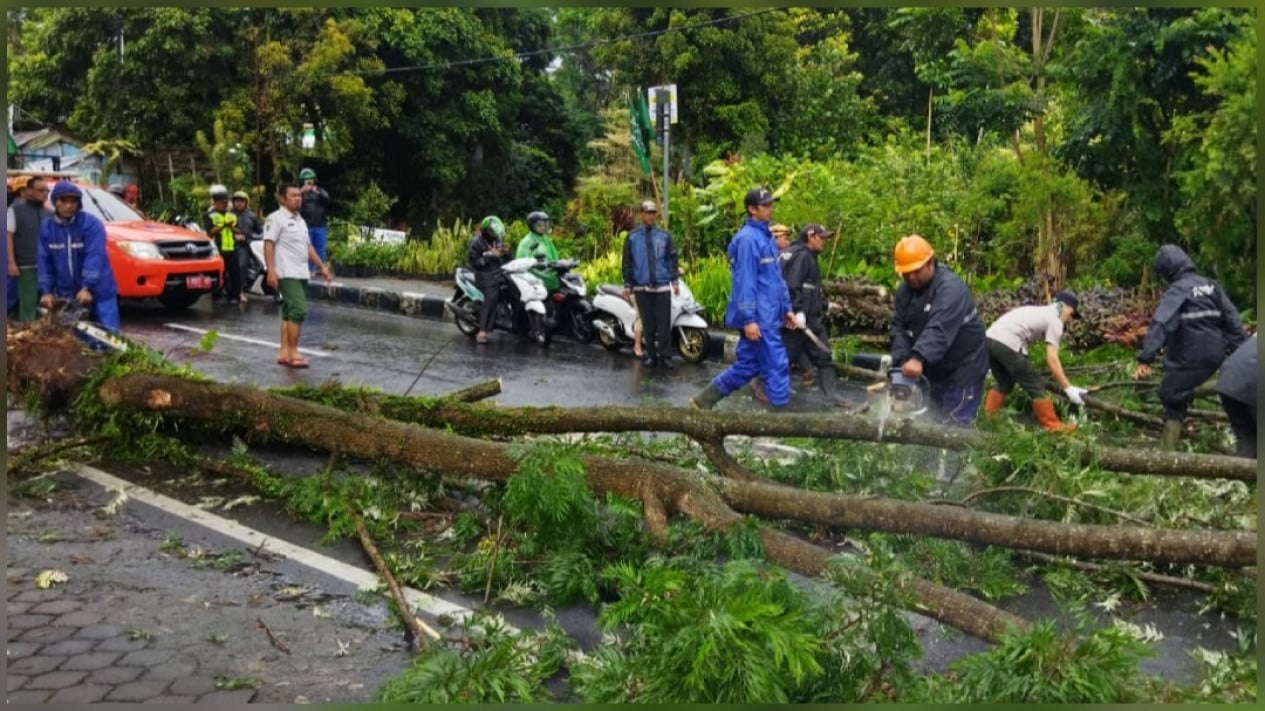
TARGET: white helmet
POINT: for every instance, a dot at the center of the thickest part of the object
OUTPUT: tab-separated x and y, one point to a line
219	192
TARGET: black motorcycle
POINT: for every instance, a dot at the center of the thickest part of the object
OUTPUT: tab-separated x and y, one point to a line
567	304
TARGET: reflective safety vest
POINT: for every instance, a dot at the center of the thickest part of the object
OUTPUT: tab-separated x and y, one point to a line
222	224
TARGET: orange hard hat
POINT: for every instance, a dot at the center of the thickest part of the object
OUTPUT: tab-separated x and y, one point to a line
911	253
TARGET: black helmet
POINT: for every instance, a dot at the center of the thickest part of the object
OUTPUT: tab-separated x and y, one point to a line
538	216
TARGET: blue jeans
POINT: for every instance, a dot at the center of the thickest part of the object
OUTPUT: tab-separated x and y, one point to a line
765	358
317	235
106	312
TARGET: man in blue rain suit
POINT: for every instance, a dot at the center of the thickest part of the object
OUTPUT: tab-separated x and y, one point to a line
759	305
72	261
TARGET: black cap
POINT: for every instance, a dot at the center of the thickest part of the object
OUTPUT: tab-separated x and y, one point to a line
1067	297
815	229
758	196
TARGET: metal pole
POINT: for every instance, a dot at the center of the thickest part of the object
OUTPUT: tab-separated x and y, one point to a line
665	117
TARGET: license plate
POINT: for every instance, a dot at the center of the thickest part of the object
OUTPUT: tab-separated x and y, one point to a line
197	282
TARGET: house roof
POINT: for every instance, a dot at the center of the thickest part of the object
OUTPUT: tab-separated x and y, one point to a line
43	137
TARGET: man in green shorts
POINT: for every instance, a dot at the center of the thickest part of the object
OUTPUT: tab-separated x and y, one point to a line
287	250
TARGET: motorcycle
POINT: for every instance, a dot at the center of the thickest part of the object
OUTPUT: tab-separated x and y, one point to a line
521	310
568	304
616	315
257	270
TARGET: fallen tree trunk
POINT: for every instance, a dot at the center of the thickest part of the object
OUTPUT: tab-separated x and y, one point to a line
662	488
710	426
429	450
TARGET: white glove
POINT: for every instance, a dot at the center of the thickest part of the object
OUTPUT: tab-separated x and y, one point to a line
801	321
1074	394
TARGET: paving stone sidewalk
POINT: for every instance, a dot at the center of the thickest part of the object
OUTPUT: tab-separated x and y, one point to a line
134	623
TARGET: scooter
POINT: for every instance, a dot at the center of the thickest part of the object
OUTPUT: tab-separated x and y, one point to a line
616	315
521	310
257	270
568	304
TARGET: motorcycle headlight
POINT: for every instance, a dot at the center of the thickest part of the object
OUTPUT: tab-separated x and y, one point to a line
141	250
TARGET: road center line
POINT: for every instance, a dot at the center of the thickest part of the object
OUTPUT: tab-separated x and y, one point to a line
252	539
244	339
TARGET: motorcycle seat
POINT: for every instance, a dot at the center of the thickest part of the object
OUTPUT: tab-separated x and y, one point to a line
465	274
611	289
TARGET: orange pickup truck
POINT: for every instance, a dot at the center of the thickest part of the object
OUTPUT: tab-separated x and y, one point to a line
150	259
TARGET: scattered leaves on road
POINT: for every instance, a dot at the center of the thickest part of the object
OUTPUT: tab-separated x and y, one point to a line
48	578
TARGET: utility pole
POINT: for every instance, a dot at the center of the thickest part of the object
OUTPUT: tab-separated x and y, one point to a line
663	120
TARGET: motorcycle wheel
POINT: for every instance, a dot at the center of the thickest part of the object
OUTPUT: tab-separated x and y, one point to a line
538	333
465	323
692	344
609	343
581	327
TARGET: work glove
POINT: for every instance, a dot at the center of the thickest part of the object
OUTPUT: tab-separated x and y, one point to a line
801	321
1074	394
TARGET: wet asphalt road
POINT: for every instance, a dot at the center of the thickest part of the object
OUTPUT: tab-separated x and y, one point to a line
405	355
421	357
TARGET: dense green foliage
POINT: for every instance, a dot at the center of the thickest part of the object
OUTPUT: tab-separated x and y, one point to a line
1068	142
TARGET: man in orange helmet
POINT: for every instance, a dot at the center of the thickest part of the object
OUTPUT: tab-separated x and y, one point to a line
937	332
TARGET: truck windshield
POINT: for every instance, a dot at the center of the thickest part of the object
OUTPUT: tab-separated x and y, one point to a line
103	205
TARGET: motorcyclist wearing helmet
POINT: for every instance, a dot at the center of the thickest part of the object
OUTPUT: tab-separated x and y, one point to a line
221	225
250	227
487	252
937	332
315	203
536	244
72	258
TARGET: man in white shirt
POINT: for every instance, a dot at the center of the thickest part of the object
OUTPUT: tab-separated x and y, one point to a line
1007	341
287	250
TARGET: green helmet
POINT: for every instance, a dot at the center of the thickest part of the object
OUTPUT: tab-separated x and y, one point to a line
241	195
493	225
307	174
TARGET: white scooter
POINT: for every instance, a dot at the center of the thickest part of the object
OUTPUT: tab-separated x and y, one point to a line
616	316
521	312
257	271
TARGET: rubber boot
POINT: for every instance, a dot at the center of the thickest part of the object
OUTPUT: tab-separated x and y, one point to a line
993	401
1170	434
829	379
1049	419
706	399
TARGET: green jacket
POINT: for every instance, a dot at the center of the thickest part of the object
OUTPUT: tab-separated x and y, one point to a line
534	245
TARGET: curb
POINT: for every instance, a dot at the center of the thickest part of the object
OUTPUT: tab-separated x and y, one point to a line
720	344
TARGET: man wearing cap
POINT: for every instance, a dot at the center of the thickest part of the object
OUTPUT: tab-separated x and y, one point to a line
1007	342
72	258
802	273
759	305
937	332
315	203
24	218
650	274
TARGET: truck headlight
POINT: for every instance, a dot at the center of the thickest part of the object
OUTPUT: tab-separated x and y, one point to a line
141	250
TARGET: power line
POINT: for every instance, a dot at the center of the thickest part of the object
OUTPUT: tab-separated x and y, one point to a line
555	50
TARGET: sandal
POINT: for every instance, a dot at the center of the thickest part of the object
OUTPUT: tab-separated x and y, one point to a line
299	363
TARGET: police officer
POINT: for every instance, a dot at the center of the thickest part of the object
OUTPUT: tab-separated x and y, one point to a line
221	225
937	332
1196	325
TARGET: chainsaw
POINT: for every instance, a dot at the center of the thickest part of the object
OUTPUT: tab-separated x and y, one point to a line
908	396
74	316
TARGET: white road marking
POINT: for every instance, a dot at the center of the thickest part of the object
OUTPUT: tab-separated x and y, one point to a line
245	339
251	538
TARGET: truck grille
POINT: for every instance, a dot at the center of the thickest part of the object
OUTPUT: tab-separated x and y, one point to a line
186	249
